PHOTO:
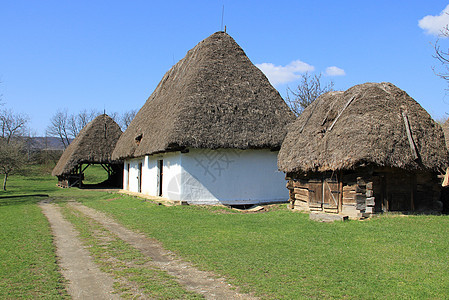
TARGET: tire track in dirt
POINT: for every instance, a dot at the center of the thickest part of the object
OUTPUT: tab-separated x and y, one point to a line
202	282
85	279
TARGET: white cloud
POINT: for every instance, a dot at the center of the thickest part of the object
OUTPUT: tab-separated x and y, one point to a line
334	71
283	74
434	24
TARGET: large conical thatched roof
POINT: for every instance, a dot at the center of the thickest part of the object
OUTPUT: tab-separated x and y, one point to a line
94	144
371	130
213	98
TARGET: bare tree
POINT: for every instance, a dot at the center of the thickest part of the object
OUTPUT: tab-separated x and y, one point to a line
126	118
13	129
59	127
12	124
442	55
11	158
78	121
306	92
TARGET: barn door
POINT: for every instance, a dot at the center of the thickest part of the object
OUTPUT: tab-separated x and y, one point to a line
315	194
324	194
331	194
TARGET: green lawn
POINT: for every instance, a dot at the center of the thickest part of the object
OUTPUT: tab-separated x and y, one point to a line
275	254
27	258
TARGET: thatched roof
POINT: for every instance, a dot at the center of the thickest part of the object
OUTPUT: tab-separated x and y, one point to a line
445	127
370	131
94	144
213	98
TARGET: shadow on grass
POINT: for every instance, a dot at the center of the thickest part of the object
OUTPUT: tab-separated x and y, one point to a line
21	199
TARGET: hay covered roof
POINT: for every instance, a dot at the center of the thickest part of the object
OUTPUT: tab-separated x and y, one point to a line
213	98
371	130
94	144
445	127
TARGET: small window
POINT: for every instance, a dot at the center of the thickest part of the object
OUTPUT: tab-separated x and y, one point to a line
138	139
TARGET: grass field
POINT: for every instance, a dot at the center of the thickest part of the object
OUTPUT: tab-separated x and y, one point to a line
27	258
275	254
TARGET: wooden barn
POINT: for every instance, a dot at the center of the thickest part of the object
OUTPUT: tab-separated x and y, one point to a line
93	145
367	150
210	132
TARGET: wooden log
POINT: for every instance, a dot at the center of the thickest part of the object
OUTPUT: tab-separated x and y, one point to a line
301	191
360	206
338	116
300	184
347	188
360	197
301	197
369	210
370	201
409	136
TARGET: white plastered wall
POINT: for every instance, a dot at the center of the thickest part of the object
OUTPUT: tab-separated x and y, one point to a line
133	176
231	176
204	176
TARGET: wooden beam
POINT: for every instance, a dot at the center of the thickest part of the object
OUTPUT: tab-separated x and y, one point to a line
409	136
346	105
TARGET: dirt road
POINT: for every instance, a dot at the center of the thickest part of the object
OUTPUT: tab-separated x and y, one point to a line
87	281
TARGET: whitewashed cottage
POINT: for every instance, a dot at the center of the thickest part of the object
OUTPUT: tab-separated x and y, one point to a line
210	132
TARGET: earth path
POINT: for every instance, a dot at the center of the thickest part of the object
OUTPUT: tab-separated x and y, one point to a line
85	279
191	278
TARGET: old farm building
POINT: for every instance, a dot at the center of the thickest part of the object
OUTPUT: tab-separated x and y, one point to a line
210	132
93	145
369	149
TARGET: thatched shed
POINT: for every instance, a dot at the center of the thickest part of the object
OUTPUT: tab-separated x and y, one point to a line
211	129
369	149
93	145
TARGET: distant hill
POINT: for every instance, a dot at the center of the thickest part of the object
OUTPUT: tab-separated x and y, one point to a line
48	143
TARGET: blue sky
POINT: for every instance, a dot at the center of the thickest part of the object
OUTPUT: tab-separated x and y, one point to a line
111	55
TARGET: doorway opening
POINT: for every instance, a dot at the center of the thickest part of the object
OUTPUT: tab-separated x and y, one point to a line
160	173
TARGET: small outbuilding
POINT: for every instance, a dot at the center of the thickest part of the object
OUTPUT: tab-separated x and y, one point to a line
93	145
210	132
367	150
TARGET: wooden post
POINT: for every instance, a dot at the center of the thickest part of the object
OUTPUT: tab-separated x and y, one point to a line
340	198
80	175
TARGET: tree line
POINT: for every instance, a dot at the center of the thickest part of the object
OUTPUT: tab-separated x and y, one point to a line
67	126
16	140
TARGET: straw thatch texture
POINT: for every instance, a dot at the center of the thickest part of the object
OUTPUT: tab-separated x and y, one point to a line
371	130
94	144
213	98
445	127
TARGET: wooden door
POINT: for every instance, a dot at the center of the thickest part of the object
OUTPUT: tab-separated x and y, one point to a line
139	175
315	194
324	194
331	193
